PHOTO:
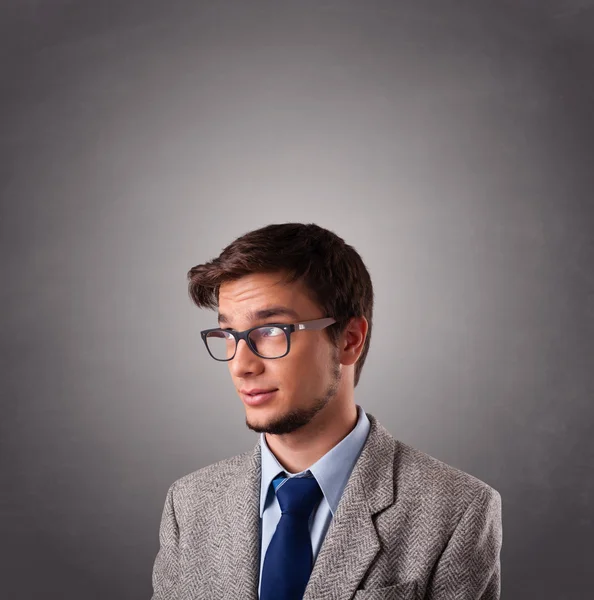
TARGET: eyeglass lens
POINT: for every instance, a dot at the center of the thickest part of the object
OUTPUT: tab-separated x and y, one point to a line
270	342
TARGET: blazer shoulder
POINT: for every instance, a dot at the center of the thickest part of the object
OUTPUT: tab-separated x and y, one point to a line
210	479
416	468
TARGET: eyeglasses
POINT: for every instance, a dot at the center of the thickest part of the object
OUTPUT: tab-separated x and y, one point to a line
272	340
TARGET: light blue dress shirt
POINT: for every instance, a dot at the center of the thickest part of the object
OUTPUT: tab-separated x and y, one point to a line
332	472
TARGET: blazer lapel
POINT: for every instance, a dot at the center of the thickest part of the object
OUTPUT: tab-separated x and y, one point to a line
241	546
352	542
227	565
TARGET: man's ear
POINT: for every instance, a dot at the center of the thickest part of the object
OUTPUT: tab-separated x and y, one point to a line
353	339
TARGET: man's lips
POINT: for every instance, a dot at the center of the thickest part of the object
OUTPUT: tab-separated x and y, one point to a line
254	391
255	399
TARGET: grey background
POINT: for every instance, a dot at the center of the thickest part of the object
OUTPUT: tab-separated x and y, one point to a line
450	142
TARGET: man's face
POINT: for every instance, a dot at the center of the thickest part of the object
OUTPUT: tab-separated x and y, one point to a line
305	380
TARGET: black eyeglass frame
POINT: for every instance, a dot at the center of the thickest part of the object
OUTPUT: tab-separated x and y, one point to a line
288	328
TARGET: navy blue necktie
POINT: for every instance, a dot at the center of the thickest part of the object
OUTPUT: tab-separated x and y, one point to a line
289	559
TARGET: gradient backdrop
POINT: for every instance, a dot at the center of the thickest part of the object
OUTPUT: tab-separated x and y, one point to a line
451	142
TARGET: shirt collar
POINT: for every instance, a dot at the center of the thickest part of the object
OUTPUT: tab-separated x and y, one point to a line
331	471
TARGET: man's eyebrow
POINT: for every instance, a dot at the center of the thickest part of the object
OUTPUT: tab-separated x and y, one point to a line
265	313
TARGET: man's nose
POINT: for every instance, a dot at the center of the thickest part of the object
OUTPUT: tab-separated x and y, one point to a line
245	361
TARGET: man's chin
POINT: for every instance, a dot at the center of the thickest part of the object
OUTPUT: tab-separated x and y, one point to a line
287	423
264	424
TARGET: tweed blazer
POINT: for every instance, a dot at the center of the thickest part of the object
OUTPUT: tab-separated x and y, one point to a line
408	526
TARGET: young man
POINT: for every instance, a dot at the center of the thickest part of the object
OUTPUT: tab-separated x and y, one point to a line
327	505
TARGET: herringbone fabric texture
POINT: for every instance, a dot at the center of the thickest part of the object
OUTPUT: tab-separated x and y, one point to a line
289	559
408	526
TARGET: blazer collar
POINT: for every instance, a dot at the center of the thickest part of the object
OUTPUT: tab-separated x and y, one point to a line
351	542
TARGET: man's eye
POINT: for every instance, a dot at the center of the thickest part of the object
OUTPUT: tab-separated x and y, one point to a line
271	331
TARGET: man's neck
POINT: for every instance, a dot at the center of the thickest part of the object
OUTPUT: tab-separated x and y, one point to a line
299	450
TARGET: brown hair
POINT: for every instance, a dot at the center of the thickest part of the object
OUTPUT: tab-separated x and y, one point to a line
331	270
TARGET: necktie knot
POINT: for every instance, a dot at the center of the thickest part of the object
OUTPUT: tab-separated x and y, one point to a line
298	496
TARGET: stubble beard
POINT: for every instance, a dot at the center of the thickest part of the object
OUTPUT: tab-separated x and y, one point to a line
299	417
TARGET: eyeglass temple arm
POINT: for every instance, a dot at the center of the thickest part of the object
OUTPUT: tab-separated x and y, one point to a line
317	324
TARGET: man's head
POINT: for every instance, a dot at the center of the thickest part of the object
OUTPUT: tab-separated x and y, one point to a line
312	273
